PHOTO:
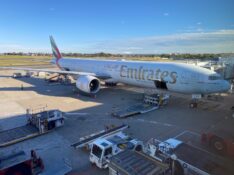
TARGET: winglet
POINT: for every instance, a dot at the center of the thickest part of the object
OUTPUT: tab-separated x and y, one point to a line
55	49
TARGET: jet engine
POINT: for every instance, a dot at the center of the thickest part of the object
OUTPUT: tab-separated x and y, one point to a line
88	84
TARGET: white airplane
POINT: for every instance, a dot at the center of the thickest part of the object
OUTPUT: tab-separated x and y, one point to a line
175	77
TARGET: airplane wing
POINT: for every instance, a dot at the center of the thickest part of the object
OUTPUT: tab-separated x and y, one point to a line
101	76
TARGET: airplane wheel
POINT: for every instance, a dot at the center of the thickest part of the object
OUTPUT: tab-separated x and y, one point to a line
110	84
218	145
193	105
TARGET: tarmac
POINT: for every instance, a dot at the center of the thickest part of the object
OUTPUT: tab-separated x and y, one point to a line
85	115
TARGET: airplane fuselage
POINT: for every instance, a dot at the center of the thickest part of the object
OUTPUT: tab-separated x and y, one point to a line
179	77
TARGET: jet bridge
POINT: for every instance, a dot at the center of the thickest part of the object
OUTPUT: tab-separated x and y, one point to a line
225	68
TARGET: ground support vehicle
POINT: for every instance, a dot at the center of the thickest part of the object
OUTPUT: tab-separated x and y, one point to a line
107	143
38	123
187	159
133	162
21	164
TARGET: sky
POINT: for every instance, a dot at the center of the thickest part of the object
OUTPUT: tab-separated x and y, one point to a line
118	26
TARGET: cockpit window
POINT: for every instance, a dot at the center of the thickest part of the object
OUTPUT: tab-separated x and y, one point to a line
214	77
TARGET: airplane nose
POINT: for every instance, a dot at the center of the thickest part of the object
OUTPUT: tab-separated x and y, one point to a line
226	86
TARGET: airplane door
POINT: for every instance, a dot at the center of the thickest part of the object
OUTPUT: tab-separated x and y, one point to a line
160	84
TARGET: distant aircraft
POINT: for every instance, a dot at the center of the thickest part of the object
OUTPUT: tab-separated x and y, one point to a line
175	77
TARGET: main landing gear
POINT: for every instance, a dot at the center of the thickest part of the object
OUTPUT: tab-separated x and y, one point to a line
195	100
110	84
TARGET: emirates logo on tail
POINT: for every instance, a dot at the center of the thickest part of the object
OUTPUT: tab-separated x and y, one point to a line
55	51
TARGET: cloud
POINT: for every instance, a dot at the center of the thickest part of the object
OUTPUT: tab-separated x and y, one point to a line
199	29
165	14
199	23
196	42
186	42
14	47
11	47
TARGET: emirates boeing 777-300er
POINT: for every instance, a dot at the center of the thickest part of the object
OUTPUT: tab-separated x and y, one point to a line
175	77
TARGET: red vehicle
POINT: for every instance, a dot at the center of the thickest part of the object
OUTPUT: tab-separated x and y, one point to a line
19	164
220	141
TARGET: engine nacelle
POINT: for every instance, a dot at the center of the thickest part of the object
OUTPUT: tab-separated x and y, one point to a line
88	84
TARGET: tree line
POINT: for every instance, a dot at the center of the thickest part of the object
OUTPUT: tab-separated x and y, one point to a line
176	56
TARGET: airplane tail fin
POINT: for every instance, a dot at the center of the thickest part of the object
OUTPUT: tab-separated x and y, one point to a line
55	49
